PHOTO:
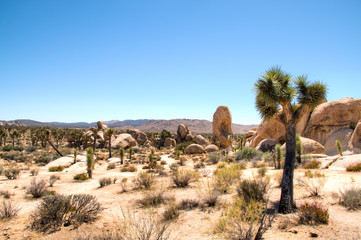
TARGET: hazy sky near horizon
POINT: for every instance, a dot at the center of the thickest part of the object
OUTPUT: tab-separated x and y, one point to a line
70	61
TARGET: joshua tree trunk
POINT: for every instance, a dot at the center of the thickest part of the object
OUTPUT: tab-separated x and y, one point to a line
287	204
52	145
95	142
110	146
90	173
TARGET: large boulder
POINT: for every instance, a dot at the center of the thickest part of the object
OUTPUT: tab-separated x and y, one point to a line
211	148
182	131
343	135
199	139
309	146
124	140
355	141
222	127
139	136
102	126
169	142
194	149
266	145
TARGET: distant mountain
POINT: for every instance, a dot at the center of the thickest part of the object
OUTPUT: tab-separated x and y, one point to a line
146	125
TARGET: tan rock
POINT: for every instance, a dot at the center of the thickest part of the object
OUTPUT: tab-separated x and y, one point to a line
309	146
222	126
194	149
139	136
211	148
250	133
182	131
341	134
102	126
199	139
355	141
169	142
266	145
124	140
189	137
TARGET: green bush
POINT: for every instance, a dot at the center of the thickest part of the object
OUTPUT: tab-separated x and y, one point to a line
313	214
30	149
130	168
214	157
354	168
225	177
81	176
248	153
56	169
18	148
351	198
183	145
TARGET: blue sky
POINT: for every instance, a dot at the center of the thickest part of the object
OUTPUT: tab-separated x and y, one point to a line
65	60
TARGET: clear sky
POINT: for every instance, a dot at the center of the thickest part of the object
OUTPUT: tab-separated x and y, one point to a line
66	60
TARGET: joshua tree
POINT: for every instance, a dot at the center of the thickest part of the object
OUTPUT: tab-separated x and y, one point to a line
48	139
278	156
90	161
75	155
277	89
3	135
130	154
109	133
241	142
298	148
95	135
14	134
121	152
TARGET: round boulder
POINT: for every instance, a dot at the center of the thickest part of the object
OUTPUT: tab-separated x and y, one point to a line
211	148
169	142
194	149
309	146
124	140
266	145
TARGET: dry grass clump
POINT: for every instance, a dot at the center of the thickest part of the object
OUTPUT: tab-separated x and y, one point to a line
81	177
208	193
225	177
12	173
154	198
188	204
144	180
57	210
129	168
56	169
183	177
37	188
312	165
8	210
171	212
313	182
106	181
354	168
351	198
253	190
34	172
313	214
53	179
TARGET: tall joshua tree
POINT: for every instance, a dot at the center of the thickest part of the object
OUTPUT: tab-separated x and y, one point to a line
95	136
275	90
109	133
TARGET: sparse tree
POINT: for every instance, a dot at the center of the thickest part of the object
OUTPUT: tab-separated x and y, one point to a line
95	136
90	162
109	133
121	152
277	89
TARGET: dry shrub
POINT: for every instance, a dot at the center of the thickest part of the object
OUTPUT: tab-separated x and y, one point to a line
37	188
5	193
182	178
313	214
105	181
57	210
312	165
53	179
354	168
12	173
111	166
144	180
205	172
34	172
171	212
154	198
253	190
313	182
214	157
244	220
351	198
225	177
188	204
208	193
8	210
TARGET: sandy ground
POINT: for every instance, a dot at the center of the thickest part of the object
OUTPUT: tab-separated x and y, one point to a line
193	224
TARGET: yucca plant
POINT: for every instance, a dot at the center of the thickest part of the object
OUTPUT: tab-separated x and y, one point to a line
109	133
130	154
90	162
121	153
278	90
339	147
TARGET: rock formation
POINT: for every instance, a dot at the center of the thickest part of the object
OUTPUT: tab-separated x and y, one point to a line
102	126
211	148
139	136
266	145
183	134
222	127
124	140
199	139
309	146
194	149
169	142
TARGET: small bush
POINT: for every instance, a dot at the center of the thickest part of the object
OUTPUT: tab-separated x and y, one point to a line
262	171
37	188
314	183
56	169
144	180
5	193
351	198
105	181
54	211
171	212
1	169
208	194
81	176
130	168
174	166
312	165
248	153
214	157
188	204
7	148
154	198
354	168
111	166
182	146
53	179
30	149
182	178
312	214
34	172
8	210
226	177
12	173
221	165
44	159
18	148
253	190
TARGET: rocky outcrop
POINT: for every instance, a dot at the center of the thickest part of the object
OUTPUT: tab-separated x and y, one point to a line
194	149
211	148
199	139
266	145
222	127
183	134
124	140
102	126
309	146
169	142
139	136
355	141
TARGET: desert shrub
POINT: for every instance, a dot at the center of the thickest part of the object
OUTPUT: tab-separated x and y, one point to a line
34	172
248	153
312	165
8	210
44	159
7	148
171	212
5	193
214	157
129	168
1	169
111	166
312	214
354	168
278	178
208	194
221	165
182	161
253	190
351	198
144	180
81	176
53	179
30	149
244	220
123	185
12	173
37	188
188	204
205	172
174	166
163	162
154	198
313	183
182	178
262	171
54	211
56	169
16	156
18	148
225	177
183	145
339	147
105	181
